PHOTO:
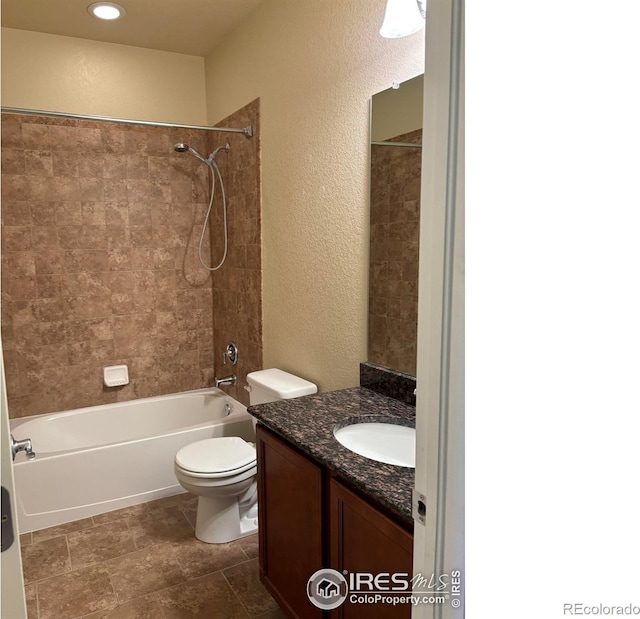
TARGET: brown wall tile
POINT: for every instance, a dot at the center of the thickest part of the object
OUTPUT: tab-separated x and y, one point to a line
393	269
100	230
237	286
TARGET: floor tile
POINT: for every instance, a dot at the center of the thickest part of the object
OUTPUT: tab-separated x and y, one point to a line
182	500
245	581
44	559
250	545
75	594
276	613
62	529
100	543
132	511
142	562
139	608
144	571
208	597
191	514
188	500
159	526
26	539
198	558
32	601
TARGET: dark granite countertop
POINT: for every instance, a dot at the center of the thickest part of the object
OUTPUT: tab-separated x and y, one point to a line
308	424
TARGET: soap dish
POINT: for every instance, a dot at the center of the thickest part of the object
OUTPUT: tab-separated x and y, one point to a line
116	375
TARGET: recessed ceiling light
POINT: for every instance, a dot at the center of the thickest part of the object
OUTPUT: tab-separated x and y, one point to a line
106	10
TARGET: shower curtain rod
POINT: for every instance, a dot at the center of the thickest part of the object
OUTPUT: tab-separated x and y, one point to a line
246	131
403	144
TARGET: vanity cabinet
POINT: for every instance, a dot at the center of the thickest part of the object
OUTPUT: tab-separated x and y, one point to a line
309	519
290	488
362	539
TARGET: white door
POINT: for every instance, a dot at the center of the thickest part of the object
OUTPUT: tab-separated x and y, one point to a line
439	543
13	602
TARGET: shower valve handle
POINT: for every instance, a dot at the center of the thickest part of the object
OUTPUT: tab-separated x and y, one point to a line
231	353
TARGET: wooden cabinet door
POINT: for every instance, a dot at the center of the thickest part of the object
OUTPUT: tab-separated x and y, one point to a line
290	523
362	539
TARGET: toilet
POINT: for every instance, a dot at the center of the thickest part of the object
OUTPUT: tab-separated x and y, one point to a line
222	471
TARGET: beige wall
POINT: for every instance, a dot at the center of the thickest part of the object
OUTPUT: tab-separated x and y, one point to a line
314	66
65	74
397	111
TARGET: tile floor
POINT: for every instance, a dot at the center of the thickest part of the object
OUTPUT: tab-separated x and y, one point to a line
142	562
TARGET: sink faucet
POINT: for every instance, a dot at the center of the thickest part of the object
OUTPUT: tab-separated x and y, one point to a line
227	380
24	445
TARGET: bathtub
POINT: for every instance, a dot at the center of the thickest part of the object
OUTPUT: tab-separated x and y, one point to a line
97	459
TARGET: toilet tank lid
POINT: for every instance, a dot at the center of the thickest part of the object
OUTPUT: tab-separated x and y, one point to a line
282	384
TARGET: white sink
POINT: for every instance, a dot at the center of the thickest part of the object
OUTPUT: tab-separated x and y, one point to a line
382	442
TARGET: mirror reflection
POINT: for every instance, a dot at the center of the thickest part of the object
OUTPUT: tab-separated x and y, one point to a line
396	158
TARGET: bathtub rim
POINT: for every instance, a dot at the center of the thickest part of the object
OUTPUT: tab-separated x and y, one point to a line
237	415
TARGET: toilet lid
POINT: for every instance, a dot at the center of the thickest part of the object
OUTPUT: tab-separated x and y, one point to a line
216	455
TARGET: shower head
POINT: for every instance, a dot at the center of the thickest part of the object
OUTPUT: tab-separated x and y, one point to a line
180	147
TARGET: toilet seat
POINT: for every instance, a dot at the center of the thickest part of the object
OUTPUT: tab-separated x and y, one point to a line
216	457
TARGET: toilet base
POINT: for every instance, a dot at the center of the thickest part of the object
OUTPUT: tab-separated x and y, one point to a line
222	519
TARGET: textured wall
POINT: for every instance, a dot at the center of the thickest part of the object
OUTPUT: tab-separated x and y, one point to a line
393	274
100	224
67	74
314	66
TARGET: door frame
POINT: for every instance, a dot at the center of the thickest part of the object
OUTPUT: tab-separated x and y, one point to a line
439	543
13	598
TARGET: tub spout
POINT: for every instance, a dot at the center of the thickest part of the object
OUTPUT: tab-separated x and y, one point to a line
24	445
227	380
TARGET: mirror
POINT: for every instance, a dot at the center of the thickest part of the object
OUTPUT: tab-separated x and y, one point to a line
396	158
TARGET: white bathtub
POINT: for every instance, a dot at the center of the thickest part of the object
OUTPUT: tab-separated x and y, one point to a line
97	459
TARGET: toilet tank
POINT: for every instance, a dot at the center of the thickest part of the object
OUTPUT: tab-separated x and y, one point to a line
273	384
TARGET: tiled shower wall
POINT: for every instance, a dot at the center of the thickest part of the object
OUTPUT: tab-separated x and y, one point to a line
393	269
100	225
237	286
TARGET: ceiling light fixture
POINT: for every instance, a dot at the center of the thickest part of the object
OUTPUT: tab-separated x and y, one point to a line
402	18
106	10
